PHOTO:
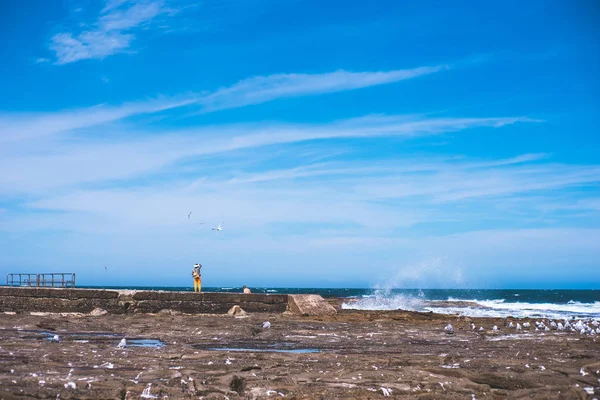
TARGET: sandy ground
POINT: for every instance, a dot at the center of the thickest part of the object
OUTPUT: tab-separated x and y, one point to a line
356	355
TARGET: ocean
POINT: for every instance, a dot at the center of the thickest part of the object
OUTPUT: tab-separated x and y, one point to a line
556	304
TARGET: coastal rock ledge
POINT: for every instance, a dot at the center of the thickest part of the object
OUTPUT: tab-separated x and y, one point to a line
58	300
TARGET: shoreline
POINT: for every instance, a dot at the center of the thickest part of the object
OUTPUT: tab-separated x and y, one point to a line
348	355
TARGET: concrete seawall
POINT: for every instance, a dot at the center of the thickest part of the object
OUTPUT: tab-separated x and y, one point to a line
55	300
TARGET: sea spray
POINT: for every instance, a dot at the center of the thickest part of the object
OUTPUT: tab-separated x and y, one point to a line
429	273
385	299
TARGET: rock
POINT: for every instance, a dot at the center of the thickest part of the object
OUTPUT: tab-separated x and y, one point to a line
236	311
238	384
96	312
309	304
168	311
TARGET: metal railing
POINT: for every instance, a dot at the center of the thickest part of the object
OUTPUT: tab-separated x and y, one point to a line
56	279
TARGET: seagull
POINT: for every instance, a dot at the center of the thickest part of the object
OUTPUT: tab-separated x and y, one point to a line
56	339
122	344
449	329
511	325
518	326
189	215
266	325
106	268
218	228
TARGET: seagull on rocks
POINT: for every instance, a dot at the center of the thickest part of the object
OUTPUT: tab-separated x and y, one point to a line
553	325
218	228
526	325
472	326
511	325
122	344
481	328
495	328
266	325
560	327
518	326
449	329
56	338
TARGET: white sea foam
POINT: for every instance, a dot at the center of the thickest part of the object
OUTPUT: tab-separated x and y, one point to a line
501	308
384	300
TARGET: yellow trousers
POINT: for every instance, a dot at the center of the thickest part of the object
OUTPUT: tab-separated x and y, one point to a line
197	284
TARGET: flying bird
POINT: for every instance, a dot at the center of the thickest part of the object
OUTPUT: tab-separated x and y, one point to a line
189	215
218	228
105	268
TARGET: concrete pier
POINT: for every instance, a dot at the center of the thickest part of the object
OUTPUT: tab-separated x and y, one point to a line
58	300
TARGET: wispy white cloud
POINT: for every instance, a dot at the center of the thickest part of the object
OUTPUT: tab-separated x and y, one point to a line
261	89
59	163
255	90
25	126
112	32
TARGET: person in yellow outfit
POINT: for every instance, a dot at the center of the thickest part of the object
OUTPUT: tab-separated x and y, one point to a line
197	278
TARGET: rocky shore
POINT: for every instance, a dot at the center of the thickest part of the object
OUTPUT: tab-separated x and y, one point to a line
349	355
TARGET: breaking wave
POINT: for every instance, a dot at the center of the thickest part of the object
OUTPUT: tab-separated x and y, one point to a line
385	300
502	308
497	308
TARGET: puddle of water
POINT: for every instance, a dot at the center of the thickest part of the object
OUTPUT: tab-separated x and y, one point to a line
145	343
265	350
155	343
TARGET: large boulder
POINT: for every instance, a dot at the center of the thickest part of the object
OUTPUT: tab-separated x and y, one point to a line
309	304
236	311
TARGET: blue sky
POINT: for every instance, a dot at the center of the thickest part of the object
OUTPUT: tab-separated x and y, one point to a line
347	144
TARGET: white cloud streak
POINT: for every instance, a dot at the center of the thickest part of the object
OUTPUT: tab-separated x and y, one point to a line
26	126
251	91
64	163
112	33
261	89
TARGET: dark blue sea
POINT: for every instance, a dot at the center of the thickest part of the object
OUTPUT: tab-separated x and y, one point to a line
470	302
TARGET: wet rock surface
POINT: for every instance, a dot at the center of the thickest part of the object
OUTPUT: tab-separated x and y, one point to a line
350	355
